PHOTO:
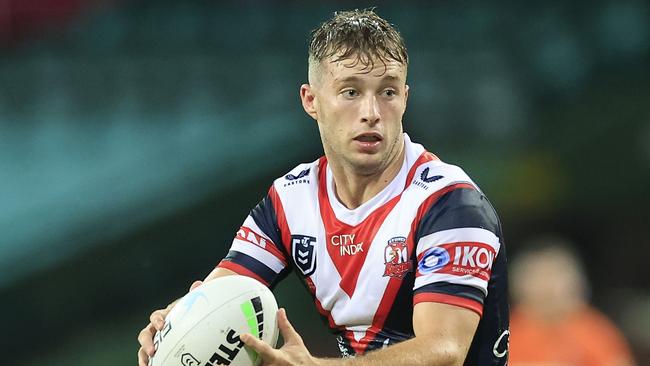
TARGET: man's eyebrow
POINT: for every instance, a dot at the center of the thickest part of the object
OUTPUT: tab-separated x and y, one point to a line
352	79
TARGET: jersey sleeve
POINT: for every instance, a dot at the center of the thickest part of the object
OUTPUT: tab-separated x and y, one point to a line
257	250
457	240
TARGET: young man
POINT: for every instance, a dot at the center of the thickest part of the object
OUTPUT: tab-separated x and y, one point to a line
402	253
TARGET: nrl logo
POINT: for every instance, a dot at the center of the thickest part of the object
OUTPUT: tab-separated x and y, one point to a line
302	249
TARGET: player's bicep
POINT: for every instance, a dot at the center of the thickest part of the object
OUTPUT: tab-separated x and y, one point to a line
448	325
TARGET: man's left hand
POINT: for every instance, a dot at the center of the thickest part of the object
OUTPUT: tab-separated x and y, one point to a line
293	352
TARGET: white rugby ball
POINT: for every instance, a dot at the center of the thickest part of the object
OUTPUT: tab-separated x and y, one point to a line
203	328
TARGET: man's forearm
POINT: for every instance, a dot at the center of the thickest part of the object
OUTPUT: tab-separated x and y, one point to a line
414	352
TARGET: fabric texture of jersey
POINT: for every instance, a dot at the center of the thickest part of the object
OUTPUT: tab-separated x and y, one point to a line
429	236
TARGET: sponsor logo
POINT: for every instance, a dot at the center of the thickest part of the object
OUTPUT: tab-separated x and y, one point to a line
396	258
302	249
425	178
188	360
229	349
343	347
428	179
346	244
502	344
459	259
297	179
434	259
246	234
159	336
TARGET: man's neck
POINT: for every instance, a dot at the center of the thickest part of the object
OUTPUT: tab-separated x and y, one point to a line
353	189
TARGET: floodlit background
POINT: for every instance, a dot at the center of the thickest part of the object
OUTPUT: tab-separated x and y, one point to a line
136	135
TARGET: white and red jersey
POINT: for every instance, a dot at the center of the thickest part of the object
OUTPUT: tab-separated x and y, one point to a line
430	235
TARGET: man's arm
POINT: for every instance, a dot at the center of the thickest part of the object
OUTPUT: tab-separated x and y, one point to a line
443	334
157	320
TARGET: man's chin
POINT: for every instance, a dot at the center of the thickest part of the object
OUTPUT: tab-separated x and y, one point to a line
368	165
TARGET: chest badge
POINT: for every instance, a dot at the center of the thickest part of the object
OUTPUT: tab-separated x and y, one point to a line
304	255
396	258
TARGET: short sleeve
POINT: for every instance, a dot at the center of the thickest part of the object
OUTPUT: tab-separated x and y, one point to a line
257	249
457	240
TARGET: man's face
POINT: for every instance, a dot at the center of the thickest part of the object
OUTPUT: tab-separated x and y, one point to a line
359	112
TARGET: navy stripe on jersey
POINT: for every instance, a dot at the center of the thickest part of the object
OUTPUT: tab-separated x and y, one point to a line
467	292
252	264
490	344
467	208
458	209
400	317
264	216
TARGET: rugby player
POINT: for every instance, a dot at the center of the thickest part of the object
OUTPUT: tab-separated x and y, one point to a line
402	253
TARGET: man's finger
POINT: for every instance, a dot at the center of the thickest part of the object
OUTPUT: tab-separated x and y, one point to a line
286	329
195	285
157	318
267	352
145	338
143	358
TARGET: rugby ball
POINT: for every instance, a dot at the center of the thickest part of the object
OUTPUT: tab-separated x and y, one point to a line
203	328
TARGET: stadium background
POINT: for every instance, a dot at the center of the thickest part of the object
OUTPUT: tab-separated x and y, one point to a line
136	135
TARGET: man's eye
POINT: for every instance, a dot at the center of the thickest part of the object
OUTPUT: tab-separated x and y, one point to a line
350	93
390	92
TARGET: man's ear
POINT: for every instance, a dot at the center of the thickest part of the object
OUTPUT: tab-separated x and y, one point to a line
406	96
308	99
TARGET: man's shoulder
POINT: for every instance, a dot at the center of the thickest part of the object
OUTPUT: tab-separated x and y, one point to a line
430	171
303	174
433	174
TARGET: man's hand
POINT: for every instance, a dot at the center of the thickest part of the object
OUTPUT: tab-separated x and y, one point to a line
156	323
293	352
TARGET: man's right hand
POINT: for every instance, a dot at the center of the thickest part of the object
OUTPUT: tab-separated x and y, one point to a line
156	323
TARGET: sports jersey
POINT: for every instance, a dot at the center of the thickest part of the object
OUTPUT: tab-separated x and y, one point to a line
429	236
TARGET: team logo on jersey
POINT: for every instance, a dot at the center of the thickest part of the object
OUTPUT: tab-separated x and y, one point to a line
304	255
297	179
396	258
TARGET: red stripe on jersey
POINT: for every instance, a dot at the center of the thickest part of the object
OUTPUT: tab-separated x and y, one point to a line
382	311
423	158
394	284
285	234
240	270
332	324
463	302
248	235
358	346
348	252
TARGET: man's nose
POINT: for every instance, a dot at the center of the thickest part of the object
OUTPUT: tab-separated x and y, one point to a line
370	111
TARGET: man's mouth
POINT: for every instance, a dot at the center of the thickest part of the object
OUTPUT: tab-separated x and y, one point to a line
369	137
368	143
